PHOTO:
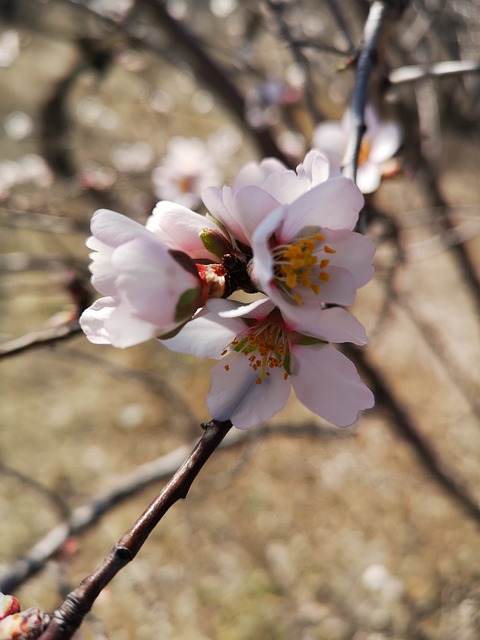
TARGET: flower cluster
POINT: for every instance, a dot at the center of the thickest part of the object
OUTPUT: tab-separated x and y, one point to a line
285	236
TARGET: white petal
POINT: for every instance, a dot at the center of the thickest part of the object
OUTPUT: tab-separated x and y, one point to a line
369	176
328	384
333	325
222	205
115	229
93	320
206	336
354	252
236	396
334	204
262	264
125	330
259	309
330	138
386	142
254	205
256	174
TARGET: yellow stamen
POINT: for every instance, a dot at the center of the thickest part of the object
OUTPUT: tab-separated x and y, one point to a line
299	265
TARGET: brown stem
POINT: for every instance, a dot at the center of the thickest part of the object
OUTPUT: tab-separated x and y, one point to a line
78	603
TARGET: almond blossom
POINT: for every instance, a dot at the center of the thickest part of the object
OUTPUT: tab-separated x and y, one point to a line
380	142
307	254
262	356
293	228
148	289
185	171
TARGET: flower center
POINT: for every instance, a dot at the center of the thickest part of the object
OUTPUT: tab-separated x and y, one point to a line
364	153
267	347
298	265
186	184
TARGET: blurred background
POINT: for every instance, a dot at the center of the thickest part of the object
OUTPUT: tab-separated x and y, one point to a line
295	531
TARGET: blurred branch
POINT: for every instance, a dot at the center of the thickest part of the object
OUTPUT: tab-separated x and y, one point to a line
66	620
342	24
38	339
277	8
88	514
212	74
439	70
366	60
42	222
20	261
52	496
406	427
428	138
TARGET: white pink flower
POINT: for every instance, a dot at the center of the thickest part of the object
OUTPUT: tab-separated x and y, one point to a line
185	171
306	254
380	142
148	289
262	356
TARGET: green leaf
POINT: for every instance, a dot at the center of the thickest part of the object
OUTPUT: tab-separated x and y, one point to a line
187	304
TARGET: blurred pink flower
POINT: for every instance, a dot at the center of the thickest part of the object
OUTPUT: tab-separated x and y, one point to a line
185	171
380	142
262	356
148	292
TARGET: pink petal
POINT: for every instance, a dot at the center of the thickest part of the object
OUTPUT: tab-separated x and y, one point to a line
286	186
236	396
222	205
254	204
315	167
332	325
256	174
108	321
125	329
334	204
180	228
151	280
206	336
114	228
328	384
354	252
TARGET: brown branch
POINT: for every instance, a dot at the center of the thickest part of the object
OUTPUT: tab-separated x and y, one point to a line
88	514
366	61
78	603
39	339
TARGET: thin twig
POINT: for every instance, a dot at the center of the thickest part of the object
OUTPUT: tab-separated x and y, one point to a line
277	8
78	603
212	74
38	339
366	61
405	426
416	72
87	515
